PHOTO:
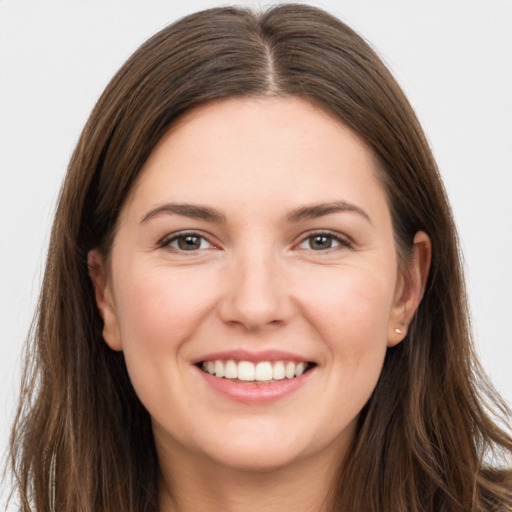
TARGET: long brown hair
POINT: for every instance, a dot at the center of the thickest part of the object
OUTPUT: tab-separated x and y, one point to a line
433	437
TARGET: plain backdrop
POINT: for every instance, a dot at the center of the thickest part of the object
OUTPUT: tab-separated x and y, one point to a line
453	58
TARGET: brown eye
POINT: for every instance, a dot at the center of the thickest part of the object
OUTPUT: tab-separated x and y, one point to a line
187	242
320	242
323	242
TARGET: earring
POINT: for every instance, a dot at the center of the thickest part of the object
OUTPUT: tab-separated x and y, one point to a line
398	331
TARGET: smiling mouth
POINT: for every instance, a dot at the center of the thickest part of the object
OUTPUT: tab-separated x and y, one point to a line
261	372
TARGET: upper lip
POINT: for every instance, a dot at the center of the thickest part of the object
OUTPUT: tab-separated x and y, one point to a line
253	356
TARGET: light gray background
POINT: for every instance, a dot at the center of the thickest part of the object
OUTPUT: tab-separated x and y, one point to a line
453	58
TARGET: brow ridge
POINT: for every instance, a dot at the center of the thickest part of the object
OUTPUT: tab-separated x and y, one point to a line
212	215
187	210
319	210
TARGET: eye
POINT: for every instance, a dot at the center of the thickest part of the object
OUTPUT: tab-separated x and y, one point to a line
323	242
187	242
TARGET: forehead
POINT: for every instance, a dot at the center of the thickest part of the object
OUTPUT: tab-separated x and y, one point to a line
282	149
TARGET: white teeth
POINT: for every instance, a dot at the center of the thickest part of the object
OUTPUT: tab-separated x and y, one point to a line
289	371
299	369
245	370
219	369
263	371
278	371
231	370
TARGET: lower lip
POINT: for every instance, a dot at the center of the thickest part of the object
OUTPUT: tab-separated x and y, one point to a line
252	393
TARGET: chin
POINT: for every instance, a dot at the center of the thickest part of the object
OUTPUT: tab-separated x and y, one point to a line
255	459
269	447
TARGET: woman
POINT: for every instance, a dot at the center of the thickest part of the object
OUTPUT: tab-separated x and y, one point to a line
253	297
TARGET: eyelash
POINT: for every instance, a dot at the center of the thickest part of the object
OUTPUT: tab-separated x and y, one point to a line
176	237
340	241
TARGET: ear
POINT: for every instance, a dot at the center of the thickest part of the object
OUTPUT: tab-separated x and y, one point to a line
410	288
104	299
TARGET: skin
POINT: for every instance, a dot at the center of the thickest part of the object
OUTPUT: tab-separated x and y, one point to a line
256	282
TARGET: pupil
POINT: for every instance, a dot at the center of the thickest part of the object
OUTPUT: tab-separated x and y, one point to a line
321	242
189	242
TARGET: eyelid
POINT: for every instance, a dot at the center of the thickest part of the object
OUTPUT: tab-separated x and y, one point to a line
171	237
343	240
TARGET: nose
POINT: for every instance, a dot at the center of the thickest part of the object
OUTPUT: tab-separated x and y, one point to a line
255	295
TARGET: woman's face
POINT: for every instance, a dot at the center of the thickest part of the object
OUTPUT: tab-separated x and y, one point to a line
257	243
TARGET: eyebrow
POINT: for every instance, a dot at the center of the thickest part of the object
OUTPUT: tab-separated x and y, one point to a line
187	210
319	210
212	215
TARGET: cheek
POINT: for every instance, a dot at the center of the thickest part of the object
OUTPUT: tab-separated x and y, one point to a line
350	313
160	309
352	306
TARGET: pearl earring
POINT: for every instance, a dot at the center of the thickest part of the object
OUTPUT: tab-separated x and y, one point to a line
398	331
